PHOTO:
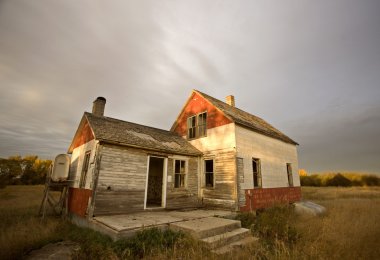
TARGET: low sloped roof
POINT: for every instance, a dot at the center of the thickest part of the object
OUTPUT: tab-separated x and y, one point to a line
248	120
120	132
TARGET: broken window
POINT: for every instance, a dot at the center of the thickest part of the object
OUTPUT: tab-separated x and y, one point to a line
290	174
179	173
202	119
197	126
86	162
256	168
191	127
209	173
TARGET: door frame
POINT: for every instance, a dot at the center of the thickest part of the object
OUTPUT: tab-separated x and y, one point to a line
164	181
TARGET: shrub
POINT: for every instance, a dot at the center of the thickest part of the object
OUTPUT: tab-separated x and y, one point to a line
276	224
371	180
339	181
247	219
312	180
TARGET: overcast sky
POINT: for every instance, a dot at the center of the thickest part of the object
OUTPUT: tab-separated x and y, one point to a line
310	68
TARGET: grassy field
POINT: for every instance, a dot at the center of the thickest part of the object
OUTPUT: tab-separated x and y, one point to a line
349	230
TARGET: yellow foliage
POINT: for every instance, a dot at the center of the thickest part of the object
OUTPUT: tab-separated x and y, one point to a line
302	172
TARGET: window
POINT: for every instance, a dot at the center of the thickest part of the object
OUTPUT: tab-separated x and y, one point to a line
86	162
290	174
256	173
197	126
202	119
191	127
209	173
179	173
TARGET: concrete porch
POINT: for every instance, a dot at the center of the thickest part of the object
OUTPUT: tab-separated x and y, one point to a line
215	228
121	226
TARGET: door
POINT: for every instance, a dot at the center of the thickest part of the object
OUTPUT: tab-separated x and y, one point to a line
155	189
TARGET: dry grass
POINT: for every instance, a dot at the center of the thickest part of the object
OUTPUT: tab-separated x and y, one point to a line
20	227
349	230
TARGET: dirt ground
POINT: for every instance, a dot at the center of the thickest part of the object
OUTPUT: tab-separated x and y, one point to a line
58	251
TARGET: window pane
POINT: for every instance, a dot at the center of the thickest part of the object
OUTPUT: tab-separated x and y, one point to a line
182	167
209	173
256	172
177	166
177	181
209	165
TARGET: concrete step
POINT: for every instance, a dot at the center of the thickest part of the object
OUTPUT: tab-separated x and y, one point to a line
206	227
225	238
235	245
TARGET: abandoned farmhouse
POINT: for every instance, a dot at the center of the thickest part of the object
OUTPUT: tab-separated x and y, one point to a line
215	155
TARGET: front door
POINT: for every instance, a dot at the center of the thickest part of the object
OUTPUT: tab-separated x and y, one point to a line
155	192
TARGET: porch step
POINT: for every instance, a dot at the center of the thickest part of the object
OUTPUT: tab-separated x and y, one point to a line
225	238
206	227
218	234
235	245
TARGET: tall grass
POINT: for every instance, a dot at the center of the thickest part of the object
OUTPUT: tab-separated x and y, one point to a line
349	230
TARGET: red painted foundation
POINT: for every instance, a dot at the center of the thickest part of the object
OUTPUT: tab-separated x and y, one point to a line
78	201
268	197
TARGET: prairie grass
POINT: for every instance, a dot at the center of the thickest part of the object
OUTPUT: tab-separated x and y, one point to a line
349	230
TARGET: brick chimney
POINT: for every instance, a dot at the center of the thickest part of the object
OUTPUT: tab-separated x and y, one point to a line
98	106
230	100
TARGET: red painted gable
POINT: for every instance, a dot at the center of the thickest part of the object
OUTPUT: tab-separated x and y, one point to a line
84	136
197	104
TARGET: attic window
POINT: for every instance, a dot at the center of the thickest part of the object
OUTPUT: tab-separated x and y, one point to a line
197	126
191	127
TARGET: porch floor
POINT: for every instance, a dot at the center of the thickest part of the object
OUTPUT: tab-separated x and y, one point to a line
126	225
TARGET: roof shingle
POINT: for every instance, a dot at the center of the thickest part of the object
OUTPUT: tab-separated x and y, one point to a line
248	120
130	134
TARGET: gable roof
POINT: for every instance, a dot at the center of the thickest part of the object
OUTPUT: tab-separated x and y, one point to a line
247	120
118	132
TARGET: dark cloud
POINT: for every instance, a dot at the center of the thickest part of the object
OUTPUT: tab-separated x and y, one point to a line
310	68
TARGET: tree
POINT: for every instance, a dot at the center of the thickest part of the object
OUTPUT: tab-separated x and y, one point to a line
27	170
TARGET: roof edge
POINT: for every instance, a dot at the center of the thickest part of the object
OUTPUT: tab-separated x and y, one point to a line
147	148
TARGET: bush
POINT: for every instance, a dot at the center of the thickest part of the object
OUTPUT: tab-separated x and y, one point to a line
276	224
371	180
247	219
338	181
312	180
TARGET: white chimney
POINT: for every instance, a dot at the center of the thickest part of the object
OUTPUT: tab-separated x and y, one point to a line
230	100
98	106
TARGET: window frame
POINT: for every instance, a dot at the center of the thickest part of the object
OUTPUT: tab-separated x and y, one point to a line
203	125
182	175
213	173
193	128
289	171
193	131
85	167
257	174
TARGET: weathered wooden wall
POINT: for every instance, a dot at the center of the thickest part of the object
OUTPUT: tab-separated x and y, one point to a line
76	165
223	194
122	181
240	181
186	197
273	154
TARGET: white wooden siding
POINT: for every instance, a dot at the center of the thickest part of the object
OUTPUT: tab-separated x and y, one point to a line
273	154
